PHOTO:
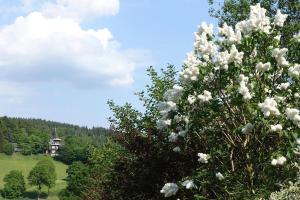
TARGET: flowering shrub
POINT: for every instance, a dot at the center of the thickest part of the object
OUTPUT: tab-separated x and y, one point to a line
238	99
234	111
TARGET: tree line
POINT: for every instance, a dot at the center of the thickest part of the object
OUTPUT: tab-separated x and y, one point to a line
32	136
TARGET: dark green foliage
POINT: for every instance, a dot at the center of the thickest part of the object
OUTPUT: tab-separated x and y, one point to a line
43	174
75	148
8	148
14	185
78	177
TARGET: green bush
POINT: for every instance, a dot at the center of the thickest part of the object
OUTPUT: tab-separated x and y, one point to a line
14	185
8	148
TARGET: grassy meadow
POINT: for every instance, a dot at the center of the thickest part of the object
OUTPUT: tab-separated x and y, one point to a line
25	164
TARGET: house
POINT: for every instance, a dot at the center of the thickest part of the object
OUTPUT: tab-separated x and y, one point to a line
55	143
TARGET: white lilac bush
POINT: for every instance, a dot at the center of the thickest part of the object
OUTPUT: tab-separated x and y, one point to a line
236	103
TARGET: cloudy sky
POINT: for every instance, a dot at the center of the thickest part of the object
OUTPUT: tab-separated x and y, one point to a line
62	60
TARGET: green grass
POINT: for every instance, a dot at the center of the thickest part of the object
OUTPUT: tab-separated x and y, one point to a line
25	164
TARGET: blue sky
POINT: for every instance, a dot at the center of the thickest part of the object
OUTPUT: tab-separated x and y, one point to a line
62	60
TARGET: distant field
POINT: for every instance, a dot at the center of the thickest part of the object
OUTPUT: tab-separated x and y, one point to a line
25	164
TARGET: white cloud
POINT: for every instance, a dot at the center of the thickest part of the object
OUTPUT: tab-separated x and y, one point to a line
81	9
39	48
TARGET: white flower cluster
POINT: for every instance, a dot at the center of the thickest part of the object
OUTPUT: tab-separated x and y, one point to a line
243	90
280	18
203	158
294	71
278	54
269	107
191	99
169	189
171	96
202	44
293	114
279	161
191	72
220	176
224	58
163	123
205	97
248	128
229	35
176	149
173	137
263	67
283	86
297	36
166	107
258	21
188	184
276	128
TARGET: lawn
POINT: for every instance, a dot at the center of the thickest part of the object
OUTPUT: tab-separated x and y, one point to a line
25	164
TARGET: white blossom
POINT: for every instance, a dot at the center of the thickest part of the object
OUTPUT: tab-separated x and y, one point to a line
182	133
279	161
274	162
283	86
188	184
222	58
173	137
203	158
204	46
220	176
205	28
294	71
162	124
258	21
293	114
235	55
191	99
276	128
278	37
278	54
176	149
169	189
243	89
248	128
263	67
269	107
173	94
205	97
280	18
229	34
279	98
297	36
191	72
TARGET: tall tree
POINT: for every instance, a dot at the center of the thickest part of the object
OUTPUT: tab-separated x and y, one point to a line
43	174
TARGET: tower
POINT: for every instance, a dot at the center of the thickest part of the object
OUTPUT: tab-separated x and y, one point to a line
55	143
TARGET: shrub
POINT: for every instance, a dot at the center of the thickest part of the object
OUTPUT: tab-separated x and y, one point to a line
14	185
233	113
8	148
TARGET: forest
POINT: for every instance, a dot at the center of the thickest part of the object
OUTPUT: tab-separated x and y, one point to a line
32	136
